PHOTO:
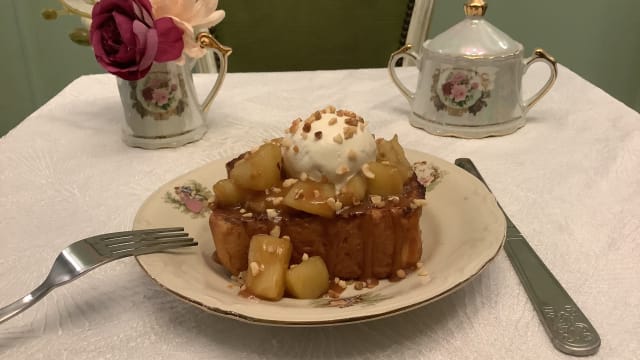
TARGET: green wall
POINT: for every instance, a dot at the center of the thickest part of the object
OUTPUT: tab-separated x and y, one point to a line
596	39
38	58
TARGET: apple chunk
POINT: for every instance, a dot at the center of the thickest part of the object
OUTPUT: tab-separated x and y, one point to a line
268	262
309	279
387	179
260	169
311	197
228	193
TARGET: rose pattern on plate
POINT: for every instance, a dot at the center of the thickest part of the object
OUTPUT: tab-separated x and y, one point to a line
191	198
159	94
460	91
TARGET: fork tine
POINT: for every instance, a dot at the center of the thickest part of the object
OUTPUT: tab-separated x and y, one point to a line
156	248
149	244
123	234
144	238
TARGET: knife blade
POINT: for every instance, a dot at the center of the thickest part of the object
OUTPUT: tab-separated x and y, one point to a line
566	325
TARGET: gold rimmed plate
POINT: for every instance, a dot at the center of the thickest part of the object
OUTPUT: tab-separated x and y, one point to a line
462	229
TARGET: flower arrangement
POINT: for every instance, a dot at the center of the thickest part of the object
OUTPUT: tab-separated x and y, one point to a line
128	36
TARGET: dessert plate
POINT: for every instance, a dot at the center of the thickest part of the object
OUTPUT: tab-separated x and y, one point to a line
462	228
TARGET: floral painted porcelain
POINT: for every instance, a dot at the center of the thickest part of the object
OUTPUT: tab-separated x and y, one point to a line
462	228
470	79
161	109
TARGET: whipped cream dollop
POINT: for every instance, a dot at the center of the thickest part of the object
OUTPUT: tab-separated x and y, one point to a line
330	145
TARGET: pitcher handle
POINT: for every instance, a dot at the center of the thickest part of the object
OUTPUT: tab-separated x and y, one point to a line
405	51
543	56
206	41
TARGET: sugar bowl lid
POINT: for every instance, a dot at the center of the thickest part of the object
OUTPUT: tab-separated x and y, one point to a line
474	37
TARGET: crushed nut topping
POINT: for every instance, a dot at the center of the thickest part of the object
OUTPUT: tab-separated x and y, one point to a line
294	125
329	109
318	135
419	265
342	284
332	203
288	182
376	200
349	131
247	215
296	149
342	169
416	203
316	194
306	127
394	199
358	285
276	200
351	121
338	139
340	112
299	194
276	189
423	272
401	273
366	171
242	211
305	257
303	176
272	214
333	121
352	155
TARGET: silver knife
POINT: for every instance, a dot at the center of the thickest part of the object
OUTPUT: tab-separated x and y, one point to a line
568	328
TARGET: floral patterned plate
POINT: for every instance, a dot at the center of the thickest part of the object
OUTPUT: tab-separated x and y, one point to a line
462	228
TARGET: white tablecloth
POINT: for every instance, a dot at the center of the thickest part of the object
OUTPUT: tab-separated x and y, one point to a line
569	179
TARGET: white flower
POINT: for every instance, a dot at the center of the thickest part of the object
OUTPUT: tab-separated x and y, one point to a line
187	15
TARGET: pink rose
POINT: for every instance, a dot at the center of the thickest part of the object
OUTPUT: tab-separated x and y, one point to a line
161	96
457	77
459	92
127	40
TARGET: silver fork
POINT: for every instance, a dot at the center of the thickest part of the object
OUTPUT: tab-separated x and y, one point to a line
87	254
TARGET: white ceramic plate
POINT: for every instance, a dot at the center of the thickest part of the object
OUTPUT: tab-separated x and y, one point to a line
462	226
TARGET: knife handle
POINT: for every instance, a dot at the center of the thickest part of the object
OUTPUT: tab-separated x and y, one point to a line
566	325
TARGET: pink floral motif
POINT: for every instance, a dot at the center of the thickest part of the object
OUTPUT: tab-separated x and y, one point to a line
459	92
191	198
458	77
159	91
161	96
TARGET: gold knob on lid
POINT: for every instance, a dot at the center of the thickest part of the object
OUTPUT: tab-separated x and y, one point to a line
475	8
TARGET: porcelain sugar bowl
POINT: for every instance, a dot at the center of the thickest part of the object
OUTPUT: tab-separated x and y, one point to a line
470	77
